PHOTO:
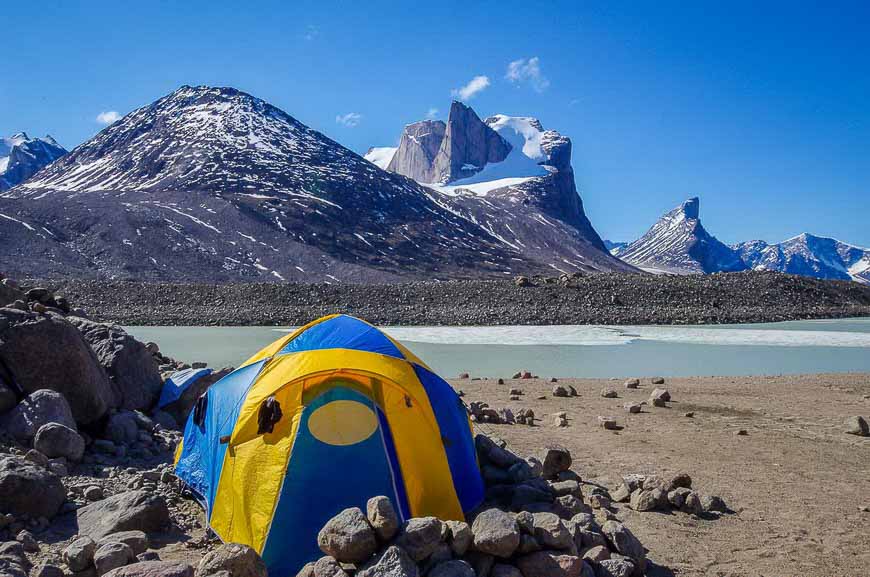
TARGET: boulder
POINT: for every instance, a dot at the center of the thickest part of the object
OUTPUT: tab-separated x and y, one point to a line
677	497
596	554
692	503
550	531
131	368
648	499
680	480
37	409
632	383
236	559
382	517
29	490
458	537
130	511
13	561
550	564
420	537
56	440
658	381
122	428
713	504
136	540
857	426
623	541
153	569
560	391
608	393
328	567
348	537
393	562
47	570
495	533
633	408
111	556
555	460
659	397
616	567
79	555
47	352
453	568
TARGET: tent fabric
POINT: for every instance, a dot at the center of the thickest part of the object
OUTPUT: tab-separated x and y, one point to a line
360	416
179	382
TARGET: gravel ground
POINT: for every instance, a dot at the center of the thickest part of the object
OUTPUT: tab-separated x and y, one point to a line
595	299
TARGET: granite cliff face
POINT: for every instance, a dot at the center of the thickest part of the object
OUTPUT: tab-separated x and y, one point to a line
21	157
418	148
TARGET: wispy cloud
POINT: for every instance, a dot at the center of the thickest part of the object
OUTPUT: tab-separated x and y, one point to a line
311	32
107	117
350	119
472	89
527	71
431	113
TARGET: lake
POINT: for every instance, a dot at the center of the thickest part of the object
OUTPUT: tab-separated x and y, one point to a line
794	347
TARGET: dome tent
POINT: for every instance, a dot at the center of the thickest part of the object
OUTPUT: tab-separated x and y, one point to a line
318	421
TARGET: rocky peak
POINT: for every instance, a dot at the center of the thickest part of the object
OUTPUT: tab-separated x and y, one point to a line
469	144
418	147
21	157
691	208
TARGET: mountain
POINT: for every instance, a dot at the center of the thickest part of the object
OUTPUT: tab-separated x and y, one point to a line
809	255
508	175
21	157
679	244
614	245
213	184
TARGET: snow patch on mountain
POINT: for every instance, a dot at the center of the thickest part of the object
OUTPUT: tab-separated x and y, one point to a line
381	156
809	255
21	157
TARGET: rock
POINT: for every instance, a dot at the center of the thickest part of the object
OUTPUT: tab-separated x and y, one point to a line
122	428
327	567
348	537
29	490
47	570
239	560
677	497
498	456
47	352
621	495
37	409
111	556
659	397
608	423
515	392
36	458
459	537
624	541
617	567
495	533
689	415
599	501
382	517
420	537
692	503
79	555
56	440
464	376
566	488
713	504
550	564
633	408
153	569
560	420
596	554
132	370
741	433
130	511
551	532
502	570
555	460
560	391
93	493
648	499
13	561
659	381
632	383
148	556
136	540
454	568
609	393
857	426
28	542
681	479
393	562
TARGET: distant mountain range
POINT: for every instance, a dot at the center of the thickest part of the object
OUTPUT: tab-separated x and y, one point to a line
21	157
678	244
213	184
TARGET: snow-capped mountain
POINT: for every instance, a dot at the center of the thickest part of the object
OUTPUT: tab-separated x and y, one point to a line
679	244
809	255
508	175
214	184
21	157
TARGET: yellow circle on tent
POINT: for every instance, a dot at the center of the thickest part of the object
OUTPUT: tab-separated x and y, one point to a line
342	423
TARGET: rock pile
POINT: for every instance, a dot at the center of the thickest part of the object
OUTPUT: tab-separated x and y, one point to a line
653	493
533	523
481	412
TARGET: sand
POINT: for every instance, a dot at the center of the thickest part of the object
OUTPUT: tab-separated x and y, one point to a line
795	481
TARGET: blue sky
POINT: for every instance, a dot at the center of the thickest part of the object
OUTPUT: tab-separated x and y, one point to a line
761	109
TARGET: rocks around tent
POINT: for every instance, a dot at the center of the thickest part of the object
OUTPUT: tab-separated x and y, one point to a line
481	412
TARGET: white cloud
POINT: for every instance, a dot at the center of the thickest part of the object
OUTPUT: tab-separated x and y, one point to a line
470	90
350	119
431	113
527	70
107	117
311	32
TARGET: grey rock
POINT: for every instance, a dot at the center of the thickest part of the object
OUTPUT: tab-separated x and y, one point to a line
122	428
560	391
13	561
420	537
47	352
659	381
550	531
393	562
93	493
568	487
79	555
713	504
623	540
382	517
27	541
348	537
857	426
633	408
609	393
616	567
454	568
550	564
111	556
47	570
148	556
237	559
621	494
495	533
129	511
596	554
680	480
418	147
56	440
632	383
555	460
459	537
328	567
153	569
29	490
659	396
136	540
692	503
37	409
677	497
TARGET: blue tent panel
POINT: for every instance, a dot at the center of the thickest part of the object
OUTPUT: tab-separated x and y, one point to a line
343	332
179	382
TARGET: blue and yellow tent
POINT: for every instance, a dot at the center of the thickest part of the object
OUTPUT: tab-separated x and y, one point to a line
318	421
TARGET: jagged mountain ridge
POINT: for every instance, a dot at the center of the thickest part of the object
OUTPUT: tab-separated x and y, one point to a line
214	184
809	255
21	157
523	192
679	244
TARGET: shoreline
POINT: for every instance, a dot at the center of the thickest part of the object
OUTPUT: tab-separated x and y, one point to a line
600	299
